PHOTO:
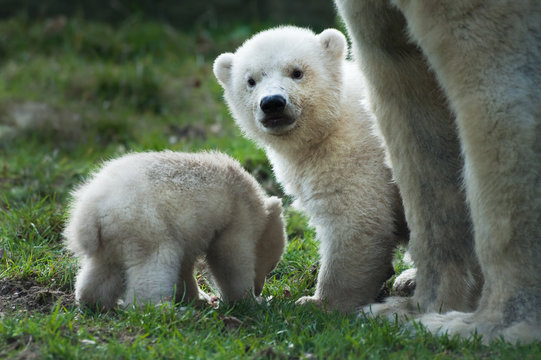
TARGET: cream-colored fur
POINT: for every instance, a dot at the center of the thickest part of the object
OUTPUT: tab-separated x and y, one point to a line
139	224
458	101
324	151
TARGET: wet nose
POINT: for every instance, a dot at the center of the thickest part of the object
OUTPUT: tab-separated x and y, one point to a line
273	104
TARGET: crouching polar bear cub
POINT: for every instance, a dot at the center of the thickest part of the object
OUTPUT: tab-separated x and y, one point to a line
140	223
294	93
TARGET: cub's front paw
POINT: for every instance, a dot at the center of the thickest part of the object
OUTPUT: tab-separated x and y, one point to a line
305	300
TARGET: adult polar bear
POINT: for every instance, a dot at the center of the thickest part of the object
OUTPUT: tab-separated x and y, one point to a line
475	66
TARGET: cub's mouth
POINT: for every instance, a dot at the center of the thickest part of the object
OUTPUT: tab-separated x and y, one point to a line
277	122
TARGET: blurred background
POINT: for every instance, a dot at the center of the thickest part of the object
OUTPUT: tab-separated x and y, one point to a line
84	81
182	14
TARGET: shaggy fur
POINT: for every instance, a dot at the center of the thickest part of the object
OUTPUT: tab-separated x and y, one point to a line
322	146
458	102
139	224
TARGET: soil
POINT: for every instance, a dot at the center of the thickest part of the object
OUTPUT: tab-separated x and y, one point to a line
28	295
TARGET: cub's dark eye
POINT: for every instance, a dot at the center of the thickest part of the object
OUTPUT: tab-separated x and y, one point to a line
297	74
251	82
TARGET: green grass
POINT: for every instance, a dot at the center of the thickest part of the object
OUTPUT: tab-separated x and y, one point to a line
94	92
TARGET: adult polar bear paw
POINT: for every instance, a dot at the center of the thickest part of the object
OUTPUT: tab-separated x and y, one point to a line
513	323
477	324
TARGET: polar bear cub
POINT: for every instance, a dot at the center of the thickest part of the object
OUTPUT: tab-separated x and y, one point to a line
297	96
139	224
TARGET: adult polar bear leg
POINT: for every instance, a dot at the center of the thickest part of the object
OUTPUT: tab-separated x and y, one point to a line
487	56
420	134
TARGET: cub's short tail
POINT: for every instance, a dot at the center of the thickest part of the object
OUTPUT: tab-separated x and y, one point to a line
82	234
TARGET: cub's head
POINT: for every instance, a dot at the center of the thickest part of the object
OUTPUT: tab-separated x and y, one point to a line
270	246
284	82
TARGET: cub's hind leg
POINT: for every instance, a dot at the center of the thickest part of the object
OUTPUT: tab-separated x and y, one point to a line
99	282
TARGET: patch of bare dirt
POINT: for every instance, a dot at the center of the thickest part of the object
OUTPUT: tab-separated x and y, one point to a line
28	295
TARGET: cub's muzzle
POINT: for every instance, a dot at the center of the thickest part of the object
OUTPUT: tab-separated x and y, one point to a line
273	106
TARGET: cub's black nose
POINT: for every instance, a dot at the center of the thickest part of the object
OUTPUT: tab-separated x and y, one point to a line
273	104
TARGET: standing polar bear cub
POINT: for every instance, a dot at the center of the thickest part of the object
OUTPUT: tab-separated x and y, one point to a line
140	223
296	95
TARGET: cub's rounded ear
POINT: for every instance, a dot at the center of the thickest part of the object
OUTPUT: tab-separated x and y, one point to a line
222	68
334	42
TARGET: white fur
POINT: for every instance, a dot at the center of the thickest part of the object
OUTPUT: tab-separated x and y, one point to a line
328	156
139	224
460	95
